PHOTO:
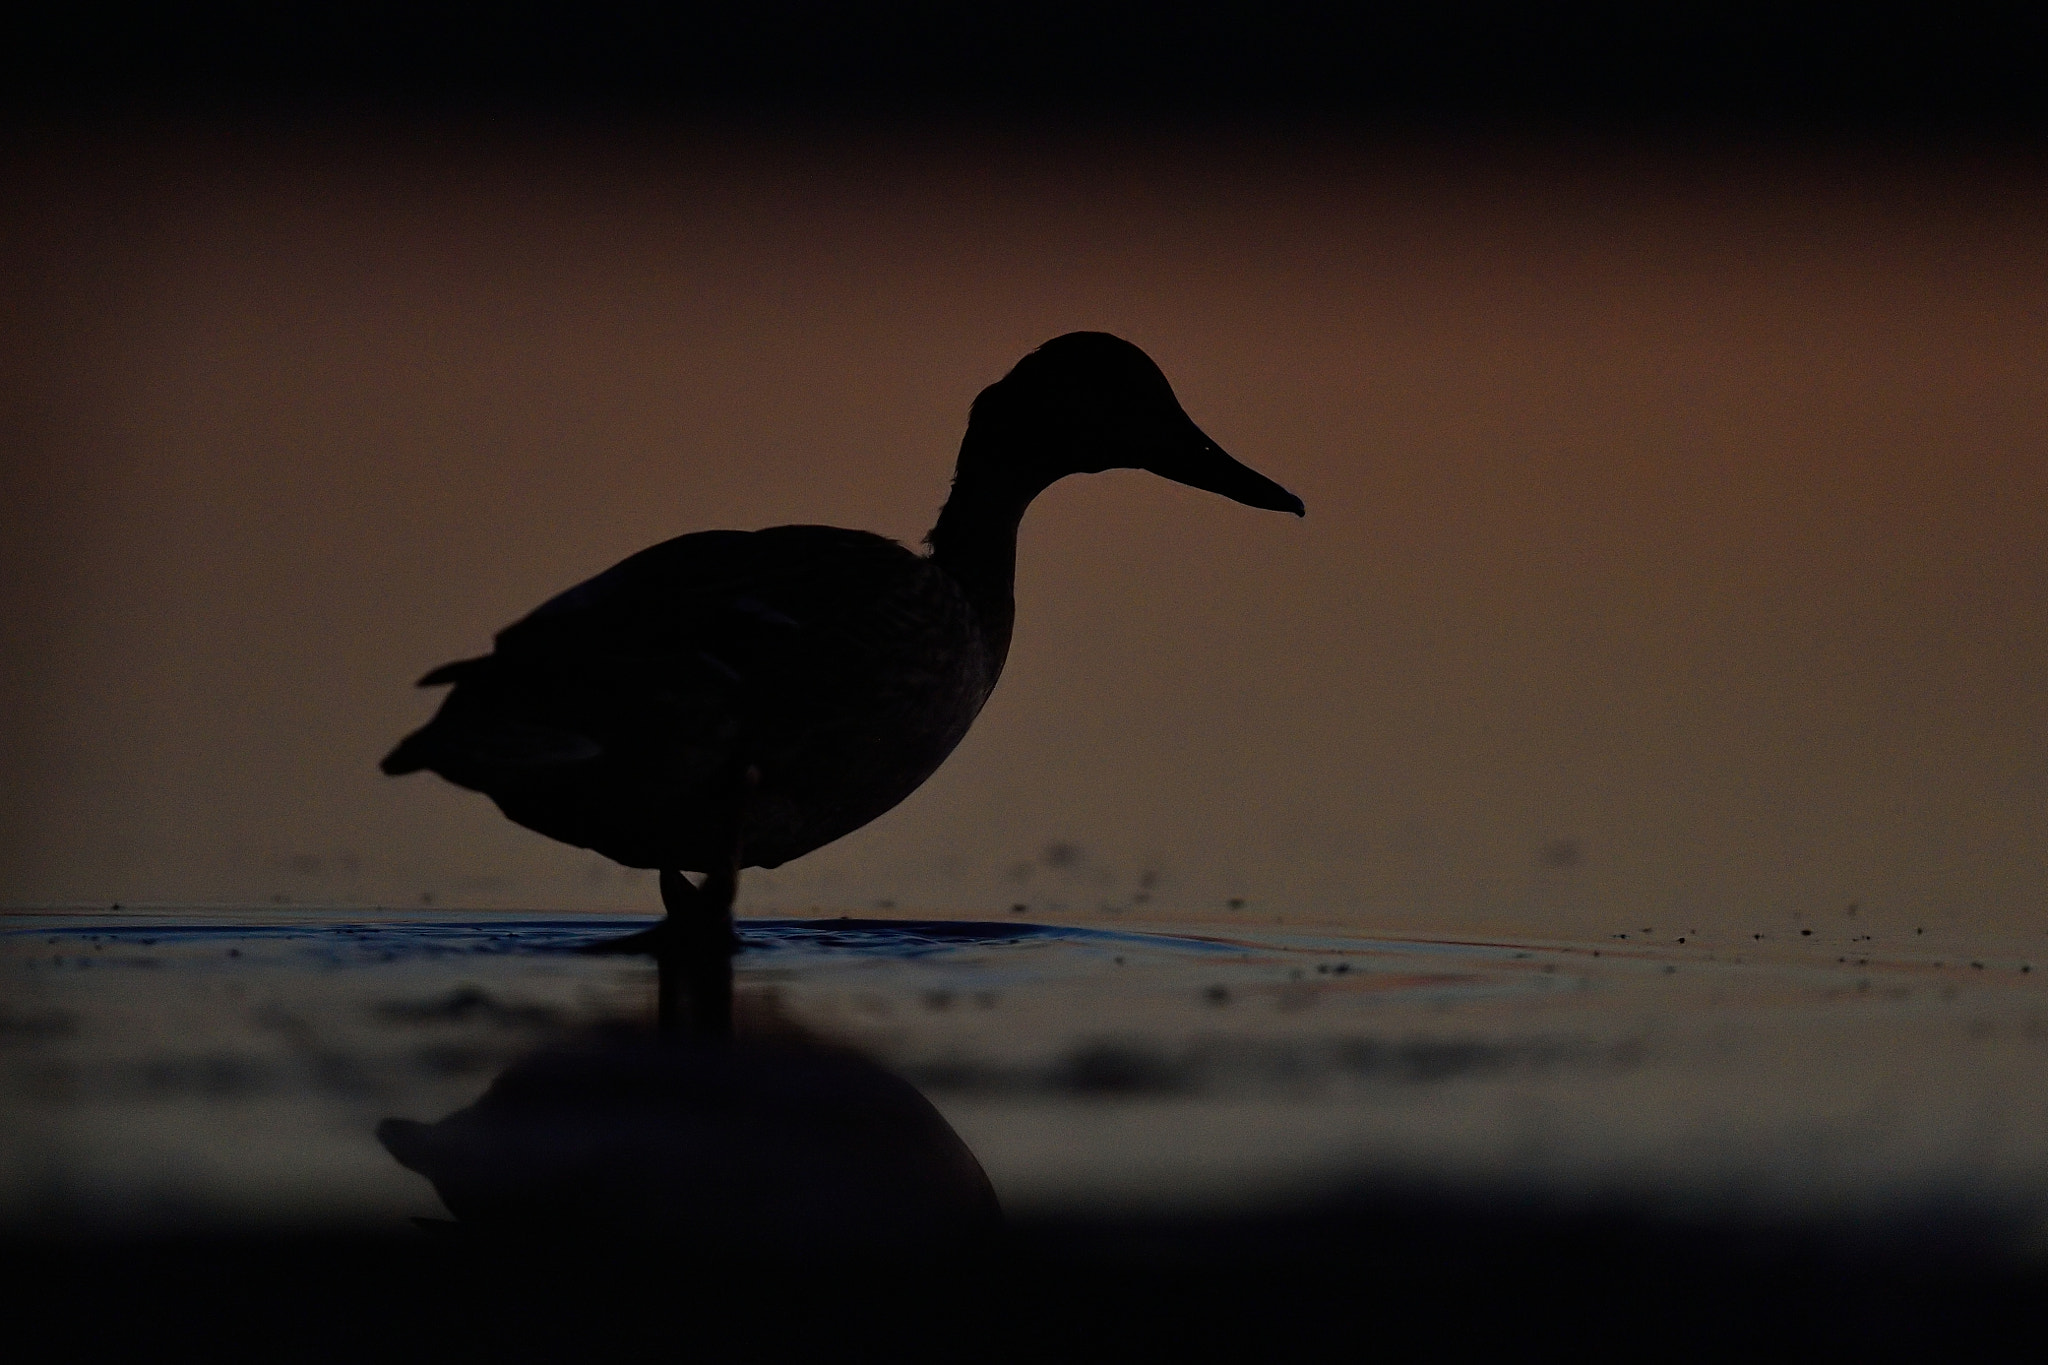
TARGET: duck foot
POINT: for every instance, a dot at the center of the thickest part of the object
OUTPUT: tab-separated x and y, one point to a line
699	921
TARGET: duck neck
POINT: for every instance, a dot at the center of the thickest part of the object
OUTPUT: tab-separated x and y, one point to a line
975	540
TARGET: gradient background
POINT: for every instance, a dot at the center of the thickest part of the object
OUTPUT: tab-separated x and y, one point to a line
1675	549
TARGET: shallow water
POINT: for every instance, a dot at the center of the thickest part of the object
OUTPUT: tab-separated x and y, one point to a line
227	1069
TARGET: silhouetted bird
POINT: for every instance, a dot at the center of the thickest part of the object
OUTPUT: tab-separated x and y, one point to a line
735	698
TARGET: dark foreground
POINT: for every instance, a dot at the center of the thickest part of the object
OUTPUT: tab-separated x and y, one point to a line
1412	1274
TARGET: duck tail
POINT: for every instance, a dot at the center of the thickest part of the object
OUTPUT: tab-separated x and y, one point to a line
453	673
413	753
421	748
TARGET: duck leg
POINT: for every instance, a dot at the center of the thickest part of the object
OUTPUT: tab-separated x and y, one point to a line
694	957
692	949
693	945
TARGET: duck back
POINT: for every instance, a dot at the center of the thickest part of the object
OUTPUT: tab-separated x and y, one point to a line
618	715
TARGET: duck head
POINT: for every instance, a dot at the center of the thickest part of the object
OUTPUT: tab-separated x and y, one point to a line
1086	402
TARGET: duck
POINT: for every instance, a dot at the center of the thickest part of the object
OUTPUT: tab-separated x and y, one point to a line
734	699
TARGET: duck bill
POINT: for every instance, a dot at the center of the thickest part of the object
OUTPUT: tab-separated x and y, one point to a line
1205	465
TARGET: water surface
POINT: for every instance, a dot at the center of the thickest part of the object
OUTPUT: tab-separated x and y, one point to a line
218	1069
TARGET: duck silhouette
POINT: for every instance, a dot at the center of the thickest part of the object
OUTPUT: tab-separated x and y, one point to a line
733	699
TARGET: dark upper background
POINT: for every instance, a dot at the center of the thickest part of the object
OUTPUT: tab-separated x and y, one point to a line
1739	68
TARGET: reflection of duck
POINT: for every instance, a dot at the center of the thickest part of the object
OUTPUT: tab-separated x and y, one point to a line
732	699
772	1142
775	1147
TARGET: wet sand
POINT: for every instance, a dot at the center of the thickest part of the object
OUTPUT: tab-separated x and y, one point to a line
1195	1131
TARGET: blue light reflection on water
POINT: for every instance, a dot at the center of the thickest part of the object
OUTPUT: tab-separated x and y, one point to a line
888	938
958	951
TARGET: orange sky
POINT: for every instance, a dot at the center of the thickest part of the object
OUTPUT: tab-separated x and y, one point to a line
1677	542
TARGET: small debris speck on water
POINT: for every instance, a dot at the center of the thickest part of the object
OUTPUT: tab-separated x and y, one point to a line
1217	995
1235	902
1806	933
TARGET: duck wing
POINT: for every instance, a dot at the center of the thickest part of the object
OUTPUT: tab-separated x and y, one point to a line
614	715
